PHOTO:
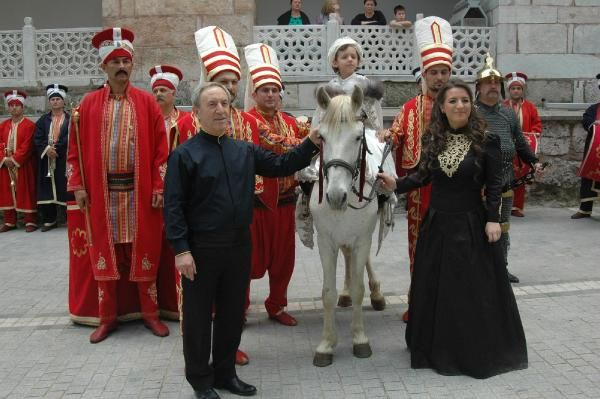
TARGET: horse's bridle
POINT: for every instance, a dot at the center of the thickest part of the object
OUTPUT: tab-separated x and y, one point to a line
357	171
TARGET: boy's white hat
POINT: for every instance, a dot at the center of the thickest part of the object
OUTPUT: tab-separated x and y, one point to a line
342	41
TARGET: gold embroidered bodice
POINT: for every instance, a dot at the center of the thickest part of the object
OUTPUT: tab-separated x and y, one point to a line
457	147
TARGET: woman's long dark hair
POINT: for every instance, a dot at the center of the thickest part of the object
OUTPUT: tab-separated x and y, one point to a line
434	140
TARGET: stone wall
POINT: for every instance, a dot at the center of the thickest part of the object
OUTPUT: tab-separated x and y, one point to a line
555	42
165	29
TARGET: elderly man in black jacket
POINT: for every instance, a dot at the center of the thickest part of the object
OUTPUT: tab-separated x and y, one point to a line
209	197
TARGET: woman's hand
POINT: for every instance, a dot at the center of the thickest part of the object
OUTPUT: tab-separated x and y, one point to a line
493	231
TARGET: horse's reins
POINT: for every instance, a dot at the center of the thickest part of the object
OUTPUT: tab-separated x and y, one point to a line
358	171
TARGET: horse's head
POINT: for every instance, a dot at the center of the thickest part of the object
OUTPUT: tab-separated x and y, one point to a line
342	132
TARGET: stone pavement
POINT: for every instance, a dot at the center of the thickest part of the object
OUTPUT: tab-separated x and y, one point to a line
42	354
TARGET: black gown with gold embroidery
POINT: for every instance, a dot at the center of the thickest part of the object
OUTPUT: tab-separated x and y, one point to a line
463	315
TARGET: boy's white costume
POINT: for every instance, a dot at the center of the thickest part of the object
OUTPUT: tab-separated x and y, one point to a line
373	122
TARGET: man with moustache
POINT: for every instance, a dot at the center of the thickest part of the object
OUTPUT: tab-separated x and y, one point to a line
18	165
115	168
51	139
503	122
434	39
209	195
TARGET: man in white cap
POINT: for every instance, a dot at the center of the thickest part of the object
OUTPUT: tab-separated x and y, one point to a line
531	125
164	80
115	168
435	43
18	166
51	139
273	229
589	190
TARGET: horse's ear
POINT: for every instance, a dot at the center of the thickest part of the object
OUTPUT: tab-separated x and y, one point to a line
323	98
357	98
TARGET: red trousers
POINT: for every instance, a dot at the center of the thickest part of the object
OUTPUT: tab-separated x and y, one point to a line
107	291
519	198
10	218
273	250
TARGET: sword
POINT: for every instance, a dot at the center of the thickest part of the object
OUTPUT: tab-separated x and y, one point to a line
527	179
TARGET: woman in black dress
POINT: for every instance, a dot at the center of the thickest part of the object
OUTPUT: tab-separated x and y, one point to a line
463	314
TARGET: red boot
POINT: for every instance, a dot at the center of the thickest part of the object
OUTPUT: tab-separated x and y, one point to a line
241	359
405	317
102	332
284	318
157	327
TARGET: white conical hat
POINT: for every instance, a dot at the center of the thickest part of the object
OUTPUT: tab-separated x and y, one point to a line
217	53
263	68
435	42
263	65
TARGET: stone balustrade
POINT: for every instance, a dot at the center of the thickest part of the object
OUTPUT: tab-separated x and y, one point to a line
388	52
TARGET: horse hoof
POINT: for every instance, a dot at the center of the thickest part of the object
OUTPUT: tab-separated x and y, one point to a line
378	304
323	359
344	301
362	350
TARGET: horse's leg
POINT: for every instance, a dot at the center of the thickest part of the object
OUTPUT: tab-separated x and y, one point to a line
344	300
361	347
377	298
324	353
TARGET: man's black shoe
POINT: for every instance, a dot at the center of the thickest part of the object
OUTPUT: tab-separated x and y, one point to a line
236	386
512	278
208	393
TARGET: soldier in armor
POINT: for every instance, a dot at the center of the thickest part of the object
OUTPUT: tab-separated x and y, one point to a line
503	122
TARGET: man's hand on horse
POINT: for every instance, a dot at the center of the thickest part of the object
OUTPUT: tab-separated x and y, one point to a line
387	182
315	137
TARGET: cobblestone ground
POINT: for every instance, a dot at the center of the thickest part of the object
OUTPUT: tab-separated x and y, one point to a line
43	355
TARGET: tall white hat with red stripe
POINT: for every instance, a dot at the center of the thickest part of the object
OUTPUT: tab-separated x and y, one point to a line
263	69
217	52
434	41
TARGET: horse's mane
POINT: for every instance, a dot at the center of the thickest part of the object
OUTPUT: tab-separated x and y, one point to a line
339	111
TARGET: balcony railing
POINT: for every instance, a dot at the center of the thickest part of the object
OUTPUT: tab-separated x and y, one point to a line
388	52
29	55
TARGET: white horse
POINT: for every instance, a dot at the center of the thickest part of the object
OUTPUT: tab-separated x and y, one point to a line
339	224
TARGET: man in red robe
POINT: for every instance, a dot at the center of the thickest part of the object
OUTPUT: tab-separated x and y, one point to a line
273	224
164	81
434	38
115	168
18	165
531	125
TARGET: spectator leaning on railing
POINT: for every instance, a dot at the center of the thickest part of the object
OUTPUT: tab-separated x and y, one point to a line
294	16
371	16
399	20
